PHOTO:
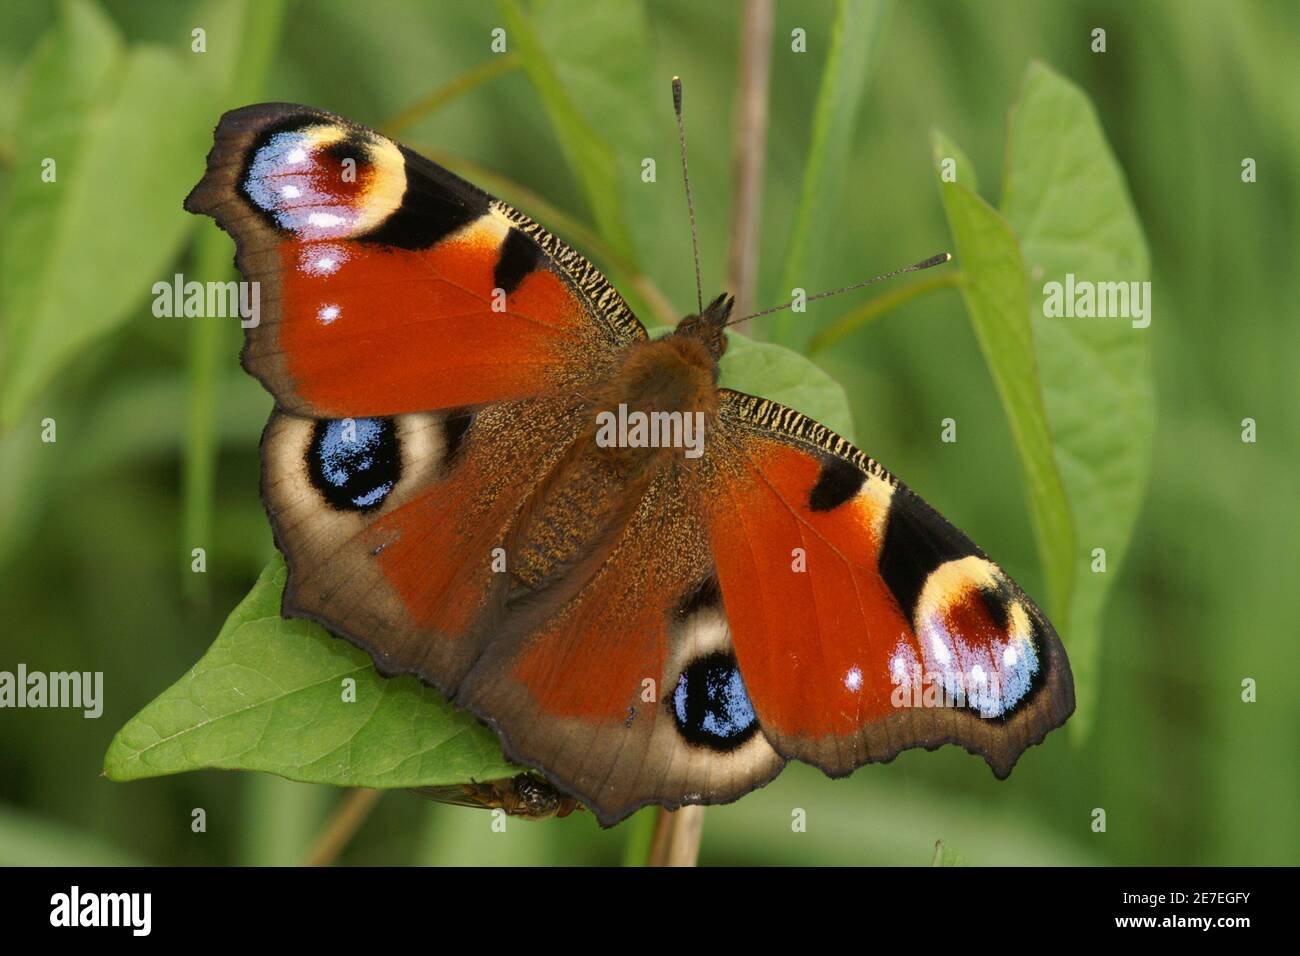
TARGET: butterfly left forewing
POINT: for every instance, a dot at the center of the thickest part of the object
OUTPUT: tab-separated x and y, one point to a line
864	622
389	285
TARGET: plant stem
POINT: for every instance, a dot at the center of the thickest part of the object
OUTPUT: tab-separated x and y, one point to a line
260	34
639	836
677	837
749	146
347	819
207	347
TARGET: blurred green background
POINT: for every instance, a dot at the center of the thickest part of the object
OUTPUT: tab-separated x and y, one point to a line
96	530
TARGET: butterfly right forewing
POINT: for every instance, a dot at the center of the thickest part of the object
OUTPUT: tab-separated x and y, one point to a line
864	622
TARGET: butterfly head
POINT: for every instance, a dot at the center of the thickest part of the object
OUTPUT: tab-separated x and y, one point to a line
707	326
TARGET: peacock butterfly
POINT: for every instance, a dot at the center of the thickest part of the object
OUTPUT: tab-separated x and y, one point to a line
638	624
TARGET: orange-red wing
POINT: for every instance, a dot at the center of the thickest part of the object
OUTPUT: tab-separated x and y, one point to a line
863	622
388	285
483	551
617	678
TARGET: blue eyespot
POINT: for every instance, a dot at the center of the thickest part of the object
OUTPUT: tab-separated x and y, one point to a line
354	462
710	704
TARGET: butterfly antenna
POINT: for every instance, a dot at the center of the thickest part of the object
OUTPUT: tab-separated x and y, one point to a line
930	263
690	203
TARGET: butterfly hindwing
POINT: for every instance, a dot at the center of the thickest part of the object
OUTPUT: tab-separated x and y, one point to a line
480	552
624	686
390	285
865	623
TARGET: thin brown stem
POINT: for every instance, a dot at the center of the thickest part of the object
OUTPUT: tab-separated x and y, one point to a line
347	819
749	147
677	837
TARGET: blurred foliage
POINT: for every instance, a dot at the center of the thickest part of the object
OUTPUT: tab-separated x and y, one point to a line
96	529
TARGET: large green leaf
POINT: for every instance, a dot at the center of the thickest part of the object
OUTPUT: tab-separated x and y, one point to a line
855	38
124	131
1066	198
995	290
268	695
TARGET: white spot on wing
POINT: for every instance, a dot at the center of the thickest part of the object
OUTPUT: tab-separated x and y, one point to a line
325	220
941	652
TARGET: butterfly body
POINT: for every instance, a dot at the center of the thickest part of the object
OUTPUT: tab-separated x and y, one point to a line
484	472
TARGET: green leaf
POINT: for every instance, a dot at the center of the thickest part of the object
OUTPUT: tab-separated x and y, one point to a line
995	290
268	695
855	39
783	375
80	252
776	372
588	155
1065	196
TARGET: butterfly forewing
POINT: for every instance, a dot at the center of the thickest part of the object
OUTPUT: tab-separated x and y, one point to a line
390	285
864	622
